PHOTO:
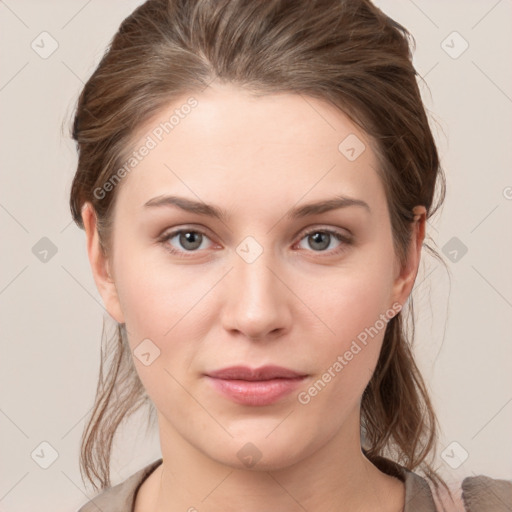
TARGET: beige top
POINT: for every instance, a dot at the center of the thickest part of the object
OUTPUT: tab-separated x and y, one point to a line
475	494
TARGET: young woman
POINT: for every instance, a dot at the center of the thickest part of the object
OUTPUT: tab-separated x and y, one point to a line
254	180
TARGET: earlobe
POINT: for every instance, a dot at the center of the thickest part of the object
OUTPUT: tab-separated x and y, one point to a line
100	265
406	277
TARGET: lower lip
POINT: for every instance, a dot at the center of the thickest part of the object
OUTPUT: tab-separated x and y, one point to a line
261	392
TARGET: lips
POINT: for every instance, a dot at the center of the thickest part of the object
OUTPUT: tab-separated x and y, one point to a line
254	374
255	386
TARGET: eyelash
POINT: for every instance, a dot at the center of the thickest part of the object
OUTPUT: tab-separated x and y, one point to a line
344	239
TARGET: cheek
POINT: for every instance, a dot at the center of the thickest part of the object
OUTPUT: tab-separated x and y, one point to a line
160	305
346	360
156	295
353	301
163	303
354	304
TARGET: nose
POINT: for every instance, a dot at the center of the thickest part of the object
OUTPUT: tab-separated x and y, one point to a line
258	300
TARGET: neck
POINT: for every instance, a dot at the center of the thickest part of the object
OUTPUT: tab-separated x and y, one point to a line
336	476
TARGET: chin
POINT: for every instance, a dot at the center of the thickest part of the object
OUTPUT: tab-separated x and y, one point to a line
258	453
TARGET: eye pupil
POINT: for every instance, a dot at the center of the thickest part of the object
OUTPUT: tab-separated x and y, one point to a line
188	240
191	240
317	239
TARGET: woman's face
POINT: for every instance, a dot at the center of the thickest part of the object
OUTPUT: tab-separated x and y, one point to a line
267	283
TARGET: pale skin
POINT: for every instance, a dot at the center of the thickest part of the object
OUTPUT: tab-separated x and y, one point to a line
296	305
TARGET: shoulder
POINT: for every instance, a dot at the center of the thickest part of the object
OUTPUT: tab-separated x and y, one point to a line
121	497
483	493
476	494
472	494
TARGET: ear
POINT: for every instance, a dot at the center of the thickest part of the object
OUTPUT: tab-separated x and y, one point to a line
406	276
100	265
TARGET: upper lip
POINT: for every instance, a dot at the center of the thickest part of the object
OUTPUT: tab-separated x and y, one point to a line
254	374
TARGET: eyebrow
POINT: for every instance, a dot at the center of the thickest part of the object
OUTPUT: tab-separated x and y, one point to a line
201	208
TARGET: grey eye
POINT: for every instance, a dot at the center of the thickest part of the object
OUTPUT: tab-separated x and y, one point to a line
190	240
319	240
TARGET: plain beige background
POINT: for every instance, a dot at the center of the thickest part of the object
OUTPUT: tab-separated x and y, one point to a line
51	313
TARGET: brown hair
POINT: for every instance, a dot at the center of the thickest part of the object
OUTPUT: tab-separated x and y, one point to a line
346	52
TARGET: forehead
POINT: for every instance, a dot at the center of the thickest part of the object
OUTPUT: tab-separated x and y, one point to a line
227	141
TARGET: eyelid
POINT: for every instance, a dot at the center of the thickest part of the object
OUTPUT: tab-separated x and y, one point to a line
344	239
172	232
343	232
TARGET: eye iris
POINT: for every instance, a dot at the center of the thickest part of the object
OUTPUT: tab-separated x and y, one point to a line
191	240
190	237
317	239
